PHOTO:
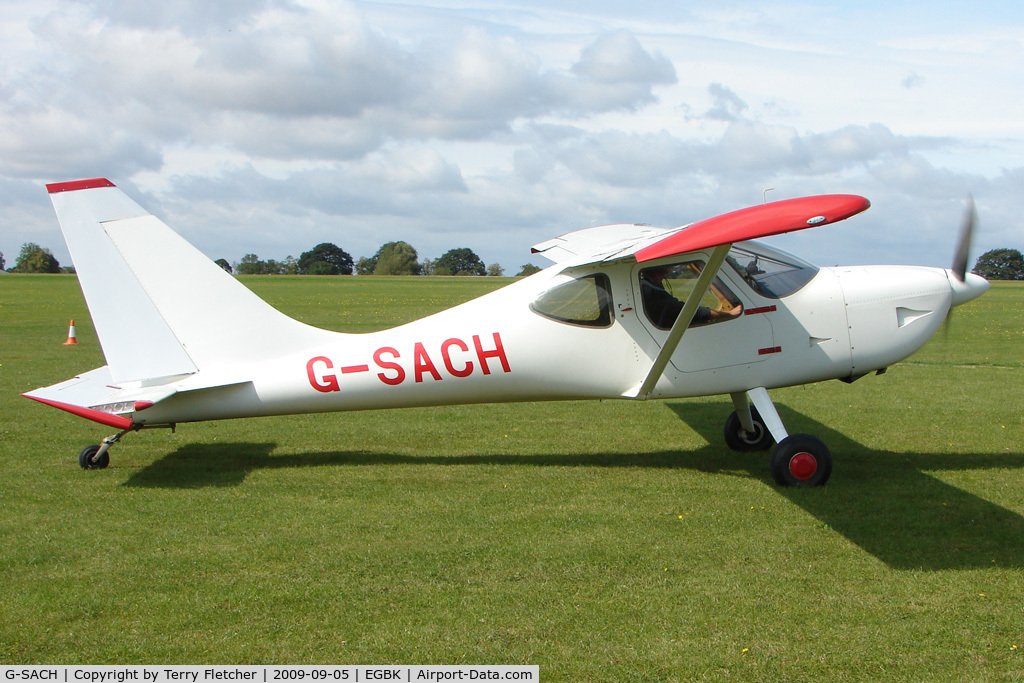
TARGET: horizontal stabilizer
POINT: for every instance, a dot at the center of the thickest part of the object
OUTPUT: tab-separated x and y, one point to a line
92	395
103	418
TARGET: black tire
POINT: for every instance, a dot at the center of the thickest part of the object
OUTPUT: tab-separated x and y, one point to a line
801	460
88	461
737	440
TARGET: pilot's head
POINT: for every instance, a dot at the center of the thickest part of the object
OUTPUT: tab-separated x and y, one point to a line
656	275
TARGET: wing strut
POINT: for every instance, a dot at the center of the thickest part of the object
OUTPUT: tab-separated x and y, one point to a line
675	335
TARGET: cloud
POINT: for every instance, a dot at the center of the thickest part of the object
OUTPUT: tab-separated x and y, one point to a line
727	105
278	62
745	149
193	15
913	80
45	142
268	127
615	72
271	82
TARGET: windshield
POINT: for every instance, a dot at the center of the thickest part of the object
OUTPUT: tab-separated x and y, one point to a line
770	272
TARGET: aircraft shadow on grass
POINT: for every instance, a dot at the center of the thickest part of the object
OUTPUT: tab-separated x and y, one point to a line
884	502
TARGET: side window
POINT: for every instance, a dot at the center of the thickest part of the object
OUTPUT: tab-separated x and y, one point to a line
664	290
584	301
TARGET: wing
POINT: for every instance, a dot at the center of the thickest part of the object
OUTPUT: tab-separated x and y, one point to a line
763	220
645	243
602	243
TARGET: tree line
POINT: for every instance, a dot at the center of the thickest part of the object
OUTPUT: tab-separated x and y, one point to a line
393	258
400	258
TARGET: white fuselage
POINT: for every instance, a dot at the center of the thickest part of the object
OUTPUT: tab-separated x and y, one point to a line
845	322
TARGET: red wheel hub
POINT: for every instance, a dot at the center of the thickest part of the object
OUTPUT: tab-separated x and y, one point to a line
803	465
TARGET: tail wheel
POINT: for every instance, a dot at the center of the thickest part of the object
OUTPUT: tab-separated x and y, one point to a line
801	460
89	461
738	439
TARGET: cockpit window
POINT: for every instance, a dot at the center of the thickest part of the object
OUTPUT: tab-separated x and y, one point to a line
665	289
770	272
585	301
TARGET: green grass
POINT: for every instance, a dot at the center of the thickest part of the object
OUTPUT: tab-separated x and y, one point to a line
599	540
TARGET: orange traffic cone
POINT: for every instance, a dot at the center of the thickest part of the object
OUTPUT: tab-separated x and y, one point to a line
71	335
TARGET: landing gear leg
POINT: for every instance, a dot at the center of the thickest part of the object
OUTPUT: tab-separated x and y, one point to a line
96	457
745	430
798	459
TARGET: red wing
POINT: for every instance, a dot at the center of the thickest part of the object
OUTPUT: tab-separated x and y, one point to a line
762	220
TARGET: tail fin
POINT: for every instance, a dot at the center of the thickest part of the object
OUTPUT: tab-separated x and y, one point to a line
161	308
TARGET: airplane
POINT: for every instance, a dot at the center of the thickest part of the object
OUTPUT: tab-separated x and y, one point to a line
625	311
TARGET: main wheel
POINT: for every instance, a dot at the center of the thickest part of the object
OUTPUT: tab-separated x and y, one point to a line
88	461
801	460
737	439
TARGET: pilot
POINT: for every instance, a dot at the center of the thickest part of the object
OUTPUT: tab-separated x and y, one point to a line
662	308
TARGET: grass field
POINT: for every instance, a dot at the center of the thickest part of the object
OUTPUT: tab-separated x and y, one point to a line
601	541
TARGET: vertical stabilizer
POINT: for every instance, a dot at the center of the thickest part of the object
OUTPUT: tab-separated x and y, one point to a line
161	308
136	340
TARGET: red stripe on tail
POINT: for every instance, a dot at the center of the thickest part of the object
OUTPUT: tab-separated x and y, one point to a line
88	413
71	186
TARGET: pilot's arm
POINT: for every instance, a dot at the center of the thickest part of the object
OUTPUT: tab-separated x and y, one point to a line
706	314
722	314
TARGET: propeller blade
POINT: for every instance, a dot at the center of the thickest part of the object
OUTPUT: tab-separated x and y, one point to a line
963	247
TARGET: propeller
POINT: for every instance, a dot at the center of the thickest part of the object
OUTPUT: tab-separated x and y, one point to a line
963	246
965	287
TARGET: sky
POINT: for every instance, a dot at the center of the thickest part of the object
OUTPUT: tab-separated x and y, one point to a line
269	127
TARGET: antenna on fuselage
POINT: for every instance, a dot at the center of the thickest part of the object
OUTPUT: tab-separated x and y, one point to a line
764	194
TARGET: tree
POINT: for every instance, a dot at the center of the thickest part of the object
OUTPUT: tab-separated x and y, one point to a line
320	268
250	265
35	259
1000	264
459	262
272	267
396	258
223	264
365	265
527	269
337	260
495	270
